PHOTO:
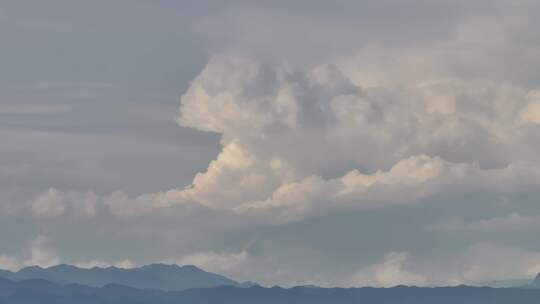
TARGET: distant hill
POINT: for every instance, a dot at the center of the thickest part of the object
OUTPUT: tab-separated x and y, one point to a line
45	292
155	276
7	274
536	282
505	283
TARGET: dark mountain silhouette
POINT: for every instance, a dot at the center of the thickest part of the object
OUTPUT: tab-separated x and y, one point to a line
45	292
7	274
155	276
536	282
505	283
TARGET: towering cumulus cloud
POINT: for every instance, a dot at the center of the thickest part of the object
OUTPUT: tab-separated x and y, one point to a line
298	142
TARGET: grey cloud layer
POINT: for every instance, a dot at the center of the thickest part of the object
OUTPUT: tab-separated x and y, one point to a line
354	142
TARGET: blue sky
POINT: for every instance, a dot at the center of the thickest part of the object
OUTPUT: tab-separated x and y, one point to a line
336	143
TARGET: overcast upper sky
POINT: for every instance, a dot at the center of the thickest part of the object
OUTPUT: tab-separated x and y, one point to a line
350	143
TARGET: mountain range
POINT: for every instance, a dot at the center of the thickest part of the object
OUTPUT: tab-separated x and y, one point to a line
45	292
155	276
160	283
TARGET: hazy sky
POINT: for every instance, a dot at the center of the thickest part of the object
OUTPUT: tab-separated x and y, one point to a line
373	142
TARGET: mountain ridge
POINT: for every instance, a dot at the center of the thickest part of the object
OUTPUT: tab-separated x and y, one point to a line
153	276
536	282
45	292
168	277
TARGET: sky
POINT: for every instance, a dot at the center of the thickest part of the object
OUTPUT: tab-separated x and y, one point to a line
337	143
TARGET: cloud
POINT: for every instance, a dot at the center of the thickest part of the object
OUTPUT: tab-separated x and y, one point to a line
481	262
9	263
41	254
214	262
246	265
410	181
390	272
531	112
304	142
48	204
93	263
424	139
508	223
54	203
37	253
355	147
